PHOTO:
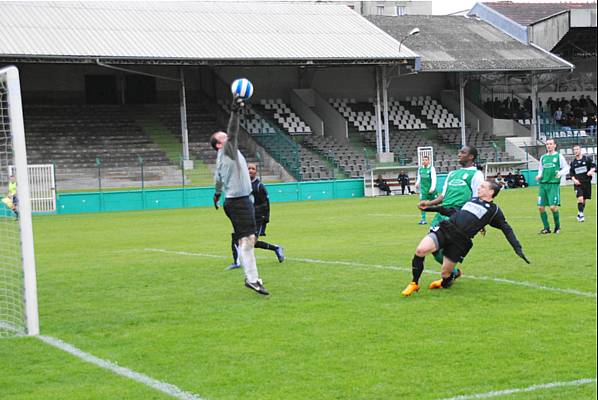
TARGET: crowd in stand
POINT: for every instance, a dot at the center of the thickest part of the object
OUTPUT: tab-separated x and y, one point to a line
509	108
577	113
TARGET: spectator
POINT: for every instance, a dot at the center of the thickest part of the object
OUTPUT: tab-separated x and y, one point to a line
510	180
382	185
520	180
500	181
403	179
558	115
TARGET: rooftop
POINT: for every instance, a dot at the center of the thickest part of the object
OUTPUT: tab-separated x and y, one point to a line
457	43
528	13
192	32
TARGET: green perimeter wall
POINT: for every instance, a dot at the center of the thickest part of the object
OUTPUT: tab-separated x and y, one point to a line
132	200
74	203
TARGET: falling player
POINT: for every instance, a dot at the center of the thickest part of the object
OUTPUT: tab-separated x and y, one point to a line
460	186
454	235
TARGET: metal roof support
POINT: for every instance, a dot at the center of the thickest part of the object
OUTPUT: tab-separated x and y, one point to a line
385	111
534	127
462	82
187	164
378	109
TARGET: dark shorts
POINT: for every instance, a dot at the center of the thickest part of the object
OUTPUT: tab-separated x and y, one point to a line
15	200
455	245
241	214
584	190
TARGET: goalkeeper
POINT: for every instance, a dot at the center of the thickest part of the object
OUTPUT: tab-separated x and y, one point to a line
232	177
11	199
454	235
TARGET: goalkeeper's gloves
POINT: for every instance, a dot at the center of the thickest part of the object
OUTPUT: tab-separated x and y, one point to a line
237	104
216	198
520	254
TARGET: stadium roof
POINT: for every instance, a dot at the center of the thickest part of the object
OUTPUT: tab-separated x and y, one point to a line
456	43
197	32
529	13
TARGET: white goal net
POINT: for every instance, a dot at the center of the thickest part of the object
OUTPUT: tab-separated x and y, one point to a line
18	298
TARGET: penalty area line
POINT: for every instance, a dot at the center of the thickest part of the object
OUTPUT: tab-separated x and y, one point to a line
533	388
531	285
163	387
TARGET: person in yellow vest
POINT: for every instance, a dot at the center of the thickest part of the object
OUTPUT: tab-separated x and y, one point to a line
12	195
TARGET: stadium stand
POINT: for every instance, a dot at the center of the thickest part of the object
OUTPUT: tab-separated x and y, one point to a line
285	117
433	111
299	161
342	155
75	138
361	115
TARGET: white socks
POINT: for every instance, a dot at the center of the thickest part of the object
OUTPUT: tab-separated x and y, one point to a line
247	257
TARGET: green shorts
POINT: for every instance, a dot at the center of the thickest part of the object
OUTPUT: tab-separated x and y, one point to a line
438	218
427	195
549	194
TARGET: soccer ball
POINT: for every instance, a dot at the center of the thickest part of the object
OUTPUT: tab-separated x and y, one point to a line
242	88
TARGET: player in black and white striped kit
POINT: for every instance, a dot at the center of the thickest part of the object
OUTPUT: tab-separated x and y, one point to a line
581	172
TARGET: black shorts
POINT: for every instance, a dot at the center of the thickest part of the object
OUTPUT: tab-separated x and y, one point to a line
584	190
15	201
455	244
241	214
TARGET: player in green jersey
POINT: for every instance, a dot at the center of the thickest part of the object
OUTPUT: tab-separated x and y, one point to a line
460	186
552	167
426	183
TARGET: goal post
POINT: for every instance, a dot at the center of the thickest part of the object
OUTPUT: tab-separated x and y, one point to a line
18	287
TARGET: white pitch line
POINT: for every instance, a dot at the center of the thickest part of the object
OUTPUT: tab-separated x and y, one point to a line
163	387
390	267
533	388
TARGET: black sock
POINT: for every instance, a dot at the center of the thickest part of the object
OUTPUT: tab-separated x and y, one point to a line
263	245
580	207
417	268
234	248
447	282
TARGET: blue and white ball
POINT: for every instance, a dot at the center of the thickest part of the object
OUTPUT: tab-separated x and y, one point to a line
242	88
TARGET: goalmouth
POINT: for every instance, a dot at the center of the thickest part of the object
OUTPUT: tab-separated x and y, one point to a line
18	287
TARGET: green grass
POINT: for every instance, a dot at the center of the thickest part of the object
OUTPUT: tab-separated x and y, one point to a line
329	330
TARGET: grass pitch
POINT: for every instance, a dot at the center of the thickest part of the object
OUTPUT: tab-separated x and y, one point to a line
148	291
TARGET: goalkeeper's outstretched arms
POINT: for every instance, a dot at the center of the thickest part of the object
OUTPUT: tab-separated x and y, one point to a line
232	130
501	223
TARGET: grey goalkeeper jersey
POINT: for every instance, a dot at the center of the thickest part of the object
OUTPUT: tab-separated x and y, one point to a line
231	174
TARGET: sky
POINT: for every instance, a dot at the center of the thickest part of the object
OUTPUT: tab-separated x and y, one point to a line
443	7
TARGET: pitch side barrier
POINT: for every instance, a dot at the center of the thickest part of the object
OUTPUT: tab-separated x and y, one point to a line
154	199
134	200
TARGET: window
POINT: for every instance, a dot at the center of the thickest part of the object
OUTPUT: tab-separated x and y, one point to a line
400	10
380	10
